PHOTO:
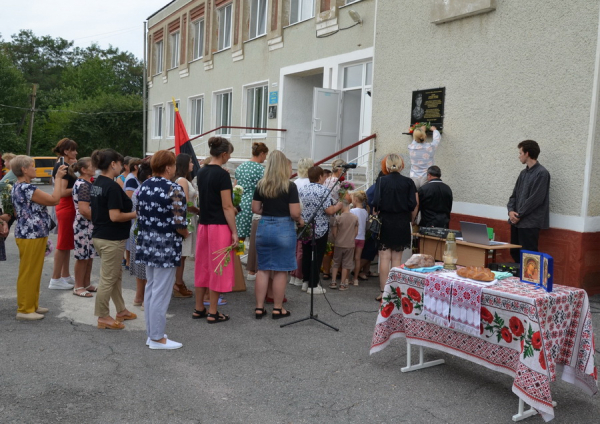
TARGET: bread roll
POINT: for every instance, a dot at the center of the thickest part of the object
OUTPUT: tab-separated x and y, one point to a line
476	273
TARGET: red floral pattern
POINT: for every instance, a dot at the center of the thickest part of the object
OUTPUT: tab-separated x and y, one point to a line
525	333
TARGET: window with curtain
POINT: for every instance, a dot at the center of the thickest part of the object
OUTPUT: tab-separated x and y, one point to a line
174	49
158	117
198	31
172	118
158	57
224	39
197	115
256	108
258	18
223	112
301	10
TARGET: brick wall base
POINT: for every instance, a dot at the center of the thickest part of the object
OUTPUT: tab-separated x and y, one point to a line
576	255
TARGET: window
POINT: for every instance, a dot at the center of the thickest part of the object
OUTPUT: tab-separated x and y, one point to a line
256	108
301	10
196	115
224	39
223	111
258	18
198	31
158	121
158	57
174	50
172	118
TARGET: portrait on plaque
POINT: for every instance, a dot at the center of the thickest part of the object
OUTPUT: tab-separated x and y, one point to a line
428	106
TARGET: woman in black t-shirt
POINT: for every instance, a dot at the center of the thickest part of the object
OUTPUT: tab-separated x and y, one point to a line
276	199
66	150
216	231
111	216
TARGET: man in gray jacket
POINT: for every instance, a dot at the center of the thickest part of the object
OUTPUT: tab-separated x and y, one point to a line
529	204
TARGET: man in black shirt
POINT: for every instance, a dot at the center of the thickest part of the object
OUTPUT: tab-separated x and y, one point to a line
529	204
435	200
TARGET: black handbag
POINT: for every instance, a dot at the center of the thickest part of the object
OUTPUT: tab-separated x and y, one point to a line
374	220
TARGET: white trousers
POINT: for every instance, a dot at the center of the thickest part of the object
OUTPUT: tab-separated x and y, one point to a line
156	300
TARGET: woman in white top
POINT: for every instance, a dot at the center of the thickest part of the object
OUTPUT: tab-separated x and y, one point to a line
421	154
183	177
304	165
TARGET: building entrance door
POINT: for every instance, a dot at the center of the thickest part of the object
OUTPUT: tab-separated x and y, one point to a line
326	122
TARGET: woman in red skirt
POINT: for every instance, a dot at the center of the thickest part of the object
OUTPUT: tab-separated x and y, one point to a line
66	150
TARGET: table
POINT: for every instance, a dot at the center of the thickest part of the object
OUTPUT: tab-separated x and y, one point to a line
525	332
469	254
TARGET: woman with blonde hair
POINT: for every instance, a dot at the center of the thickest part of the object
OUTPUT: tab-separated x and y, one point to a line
397	203
31	233
276	200
304	165
421	154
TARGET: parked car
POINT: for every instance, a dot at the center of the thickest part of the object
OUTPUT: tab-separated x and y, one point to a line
43	167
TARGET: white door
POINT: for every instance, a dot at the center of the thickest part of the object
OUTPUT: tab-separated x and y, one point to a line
327	110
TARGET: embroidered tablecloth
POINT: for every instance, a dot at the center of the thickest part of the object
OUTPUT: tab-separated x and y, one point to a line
525	332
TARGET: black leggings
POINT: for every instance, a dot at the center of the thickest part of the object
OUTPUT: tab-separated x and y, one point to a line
321	243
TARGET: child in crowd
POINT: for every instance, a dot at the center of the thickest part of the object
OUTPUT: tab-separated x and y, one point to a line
359	202
345	230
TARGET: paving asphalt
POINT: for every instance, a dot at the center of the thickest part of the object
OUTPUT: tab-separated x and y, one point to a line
63	369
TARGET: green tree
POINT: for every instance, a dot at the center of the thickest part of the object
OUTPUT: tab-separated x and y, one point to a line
13	94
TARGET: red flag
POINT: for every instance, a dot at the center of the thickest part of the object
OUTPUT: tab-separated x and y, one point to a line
181	135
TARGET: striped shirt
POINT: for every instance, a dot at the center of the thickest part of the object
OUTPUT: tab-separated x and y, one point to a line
531	198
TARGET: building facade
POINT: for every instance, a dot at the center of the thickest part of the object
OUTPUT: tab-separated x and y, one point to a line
276	64
512	70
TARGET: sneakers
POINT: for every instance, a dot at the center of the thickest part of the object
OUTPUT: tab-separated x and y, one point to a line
316	290
304	286
69	280
296	281
60	284
34	316
42	310
169	345
250	277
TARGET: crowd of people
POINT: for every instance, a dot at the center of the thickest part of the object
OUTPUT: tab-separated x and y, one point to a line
149	215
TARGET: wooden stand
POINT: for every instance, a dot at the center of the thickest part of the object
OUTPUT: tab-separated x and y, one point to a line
469	254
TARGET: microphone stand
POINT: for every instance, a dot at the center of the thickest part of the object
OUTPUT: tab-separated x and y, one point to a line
313	262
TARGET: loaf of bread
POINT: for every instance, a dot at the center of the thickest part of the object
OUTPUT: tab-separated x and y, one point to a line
476	273
420	261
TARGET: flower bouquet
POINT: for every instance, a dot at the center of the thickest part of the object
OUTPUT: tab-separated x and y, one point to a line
238	192
225	258
329	249
6	199
306	233
345	186
416	125
189	218
49	248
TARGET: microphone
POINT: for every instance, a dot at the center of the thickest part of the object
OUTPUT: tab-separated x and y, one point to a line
349	166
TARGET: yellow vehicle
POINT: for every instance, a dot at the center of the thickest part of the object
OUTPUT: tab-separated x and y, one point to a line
44	166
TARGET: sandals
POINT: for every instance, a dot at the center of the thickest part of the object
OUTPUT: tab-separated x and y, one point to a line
380	297
199	314
131	315
344	286
91	289
326	276
363	277
259	313
280	314
355	283
182	291
83	293
216	318
333	285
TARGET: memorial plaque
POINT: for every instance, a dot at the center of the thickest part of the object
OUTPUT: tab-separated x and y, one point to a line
428	106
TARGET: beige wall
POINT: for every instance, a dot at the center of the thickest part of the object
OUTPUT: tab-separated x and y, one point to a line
522	71
300	45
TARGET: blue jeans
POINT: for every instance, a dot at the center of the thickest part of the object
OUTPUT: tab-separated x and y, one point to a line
276	244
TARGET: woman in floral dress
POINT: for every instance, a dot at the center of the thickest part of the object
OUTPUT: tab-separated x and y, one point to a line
82	227
31	234
247	175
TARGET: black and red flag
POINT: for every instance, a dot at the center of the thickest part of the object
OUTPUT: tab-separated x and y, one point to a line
182	140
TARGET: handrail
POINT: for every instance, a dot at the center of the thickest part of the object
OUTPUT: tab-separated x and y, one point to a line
235	128
345	149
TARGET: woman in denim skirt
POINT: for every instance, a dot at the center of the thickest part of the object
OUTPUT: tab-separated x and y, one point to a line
276	199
